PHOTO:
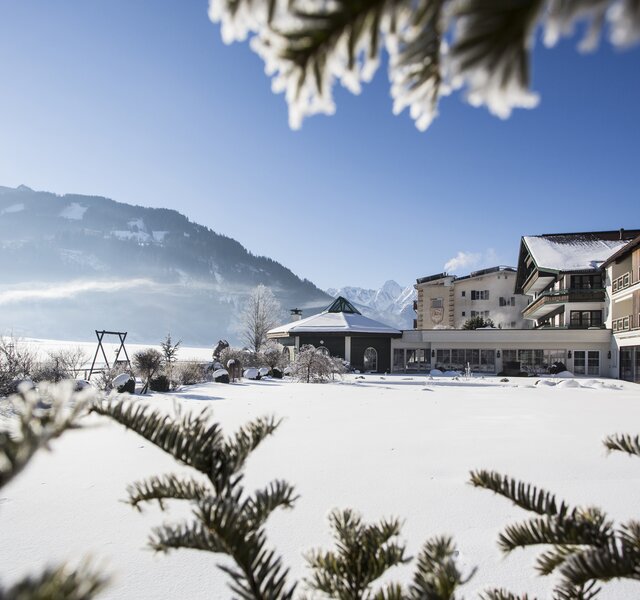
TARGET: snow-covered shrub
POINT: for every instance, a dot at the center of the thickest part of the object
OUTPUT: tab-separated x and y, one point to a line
159	384
241	356
251	373
273	356
60	364
16	363
190	372
220	376
104	380
314	365
124	383
147	363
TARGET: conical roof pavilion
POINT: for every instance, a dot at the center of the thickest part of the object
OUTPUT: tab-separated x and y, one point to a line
340	317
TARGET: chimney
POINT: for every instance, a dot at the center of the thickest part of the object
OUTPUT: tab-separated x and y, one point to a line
296	314
621	233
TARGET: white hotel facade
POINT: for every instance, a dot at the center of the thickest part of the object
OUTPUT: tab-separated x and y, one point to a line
575	299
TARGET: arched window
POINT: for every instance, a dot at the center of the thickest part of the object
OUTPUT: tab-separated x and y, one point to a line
324	350
370	359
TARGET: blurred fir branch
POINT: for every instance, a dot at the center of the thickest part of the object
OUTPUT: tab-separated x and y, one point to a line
433	46
31	420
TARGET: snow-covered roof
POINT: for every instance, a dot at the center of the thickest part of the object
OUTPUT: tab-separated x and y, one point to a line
349	321
571	252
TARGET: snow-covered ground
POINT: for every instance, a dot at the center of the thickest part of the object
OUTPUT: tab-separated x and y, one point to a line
395	445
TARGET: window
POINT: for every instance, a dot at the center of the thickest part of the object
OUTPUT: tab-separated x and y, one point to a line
531	360
416	359
585	282
586	318
370	359
480	313
436	303
480	294
398	359
463	293
509	356
443	359
593	362
464	313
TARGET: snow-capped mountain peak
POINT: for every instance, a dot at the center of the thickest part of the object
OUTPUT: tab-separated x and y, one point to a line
391	304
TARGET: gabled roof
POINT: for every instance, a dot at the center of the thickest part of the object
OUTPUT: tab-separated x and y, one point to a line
333	320
555	253
624	251
562	252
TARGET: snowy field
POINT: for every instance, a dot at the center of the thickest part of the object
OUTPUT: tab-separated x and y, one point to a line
395	445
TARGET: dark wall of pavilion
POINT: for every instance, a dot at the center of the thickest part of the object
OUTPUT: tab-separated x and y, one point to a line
335	344
382	346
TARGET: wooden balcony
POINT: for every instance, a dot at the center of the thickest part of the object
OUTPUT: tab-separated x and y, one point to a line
623	282
549	301
626	323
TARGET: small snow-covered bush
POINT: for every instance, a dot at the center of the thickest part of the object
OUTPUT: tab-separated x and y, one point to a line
16	363
189	372
314	366
159	384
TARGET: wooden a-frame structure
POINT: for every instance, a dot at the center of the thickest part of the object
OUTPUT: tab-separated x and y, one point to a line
122	336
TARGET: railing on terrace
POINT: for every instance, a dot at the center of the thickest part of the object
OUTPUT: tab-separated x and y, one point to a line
626	323
624	281
567	295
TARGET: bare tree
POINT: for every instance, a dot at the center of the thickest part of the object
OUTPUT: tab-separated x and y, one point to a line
261	313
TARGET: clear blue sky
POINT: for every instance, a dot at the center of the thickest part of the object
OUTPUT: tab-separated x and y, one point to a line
140	101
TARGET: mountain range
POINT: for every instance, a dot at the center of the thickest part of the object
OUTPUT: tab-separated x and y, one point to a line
391	304
71	264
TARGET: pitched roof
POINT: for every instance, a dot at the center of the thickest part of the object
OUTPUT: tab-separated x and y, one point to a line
573	251
624	251
333	320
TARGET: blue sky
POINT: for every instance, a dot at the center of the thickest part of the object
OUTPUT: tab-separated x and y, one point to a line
140	101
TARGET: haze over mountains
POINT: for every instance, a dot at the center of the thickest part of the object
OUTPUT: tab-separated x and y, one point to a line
71	264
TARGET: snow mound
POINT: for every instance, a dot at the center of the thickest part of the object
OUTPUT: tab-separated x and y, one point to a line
569	383
565	374
435	372
251	373
74	212
545	382
452	374
263	371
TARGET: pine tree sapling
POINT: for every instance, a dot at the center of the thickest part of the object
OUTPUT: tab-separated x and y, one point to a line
170	355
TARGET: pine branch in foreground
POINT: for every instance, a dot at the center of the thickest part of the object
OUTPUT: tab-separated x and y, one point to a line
502	594
364	552
623	443
520	493
437	576
35	418
434	46
227	520
58	584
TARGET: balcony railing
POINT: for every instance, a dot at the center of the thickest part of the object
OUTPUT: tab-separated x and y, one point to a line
626	323
624	281
563	296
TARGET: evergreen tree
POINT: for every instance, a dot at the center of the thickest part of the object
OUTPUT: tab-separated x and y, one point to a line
477	322
433	46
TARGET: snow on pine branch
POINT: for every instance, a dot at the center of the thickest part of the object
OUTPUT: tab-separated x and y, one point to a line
434	46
